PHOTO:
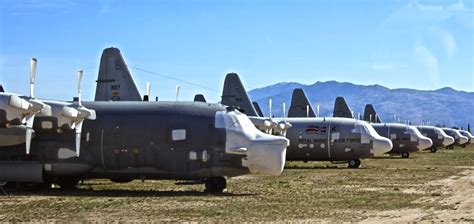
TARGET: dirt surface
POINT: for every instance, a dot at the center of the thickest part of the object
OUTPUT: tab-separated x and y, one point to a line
424	188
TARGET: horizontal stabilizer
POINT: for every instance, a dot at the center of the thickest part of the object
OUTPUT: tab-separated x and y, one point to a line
370	115
341	109
257	108
234	94
115	82
300	105
199	98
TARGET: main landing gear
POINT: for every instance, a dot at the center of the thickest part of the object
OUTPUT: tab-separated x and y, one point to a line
405	155
215	185
433	149
354	163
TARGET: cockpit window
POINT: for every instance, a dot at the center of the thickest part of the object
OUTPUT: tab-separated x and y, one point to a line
359	127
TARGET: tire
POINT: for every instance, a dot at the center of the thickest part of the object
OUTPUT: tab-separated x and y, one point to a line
433	149
405	155
215	185
354	163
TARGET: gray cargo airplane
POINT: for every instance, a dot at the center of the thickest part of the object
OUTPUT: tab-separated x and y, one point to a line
406	138
437	135
468	135
312	139
459	139
123	141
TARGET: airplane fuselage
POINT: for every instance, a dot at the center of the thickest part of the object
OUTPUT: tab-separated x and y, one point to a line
144	140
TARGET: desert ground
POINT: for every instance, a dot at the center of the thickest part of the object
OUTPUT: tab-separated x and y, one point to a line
426	187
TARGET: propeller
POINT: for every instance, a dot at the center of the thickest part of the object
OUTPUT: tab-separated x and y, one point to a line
283	126
317	110
72	115
83	114
307	110
177	92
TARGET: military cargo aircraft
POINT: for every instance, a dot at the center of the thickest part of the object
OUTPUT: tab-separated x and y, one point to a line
311	139
468	135
406	138
437	135
128	140
459	139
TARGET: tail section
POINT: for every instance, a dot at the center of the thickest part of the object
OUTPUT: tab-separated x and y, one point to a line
341	109
115	83
300	105
370	114
234	94
1	89
199	98
257	108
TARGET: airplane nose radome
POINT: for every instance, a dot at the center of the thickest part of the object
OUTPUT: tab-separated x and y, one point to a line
463	140
267	155
381	146
448	140
424	143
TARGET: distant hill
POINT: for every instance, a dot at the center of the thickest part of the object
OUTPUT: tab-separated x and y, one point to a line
443	106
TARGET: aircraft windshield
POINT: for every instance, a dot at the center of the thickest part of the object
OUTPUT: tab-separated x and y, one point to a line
360	127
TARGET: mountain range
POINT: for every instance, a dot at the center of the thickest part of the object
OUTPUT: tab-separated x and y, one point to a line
444	106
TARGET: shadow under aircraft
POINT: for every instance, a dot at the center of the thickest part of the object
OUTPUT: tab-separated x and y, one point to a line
123	140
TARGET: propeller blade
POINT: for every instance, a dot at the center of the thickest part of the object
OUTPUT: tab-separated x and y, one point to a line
148	88
284	111
32	76
177	92
270	107
29	132
307	110
78	136
317	110
79	79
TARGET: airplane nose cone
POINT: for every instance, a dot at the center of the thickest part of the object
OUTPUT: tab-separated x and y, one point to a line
381	146
267	155
463	140
448	140
424	143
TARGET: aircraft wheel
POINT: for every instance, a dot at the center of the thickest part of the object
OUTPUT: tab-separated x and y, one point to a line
405	155
67	182
354	163
433	150
215	184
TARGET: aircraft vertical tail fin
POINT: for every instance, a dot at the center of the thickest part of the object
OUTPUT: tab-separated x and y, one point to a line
234	94
257	108
341	109
1	89
199	98
300	105
370	114
115	82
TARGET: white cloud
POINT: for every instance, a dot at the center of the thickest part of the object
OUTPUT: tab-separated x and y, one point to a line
428	60
447	40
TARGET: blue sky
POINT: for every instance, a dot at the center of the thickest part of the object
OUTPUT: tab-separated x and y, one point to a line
399	44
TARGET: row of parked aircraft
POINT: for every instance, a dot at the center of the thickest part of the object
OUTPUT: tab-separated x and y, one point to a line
122	136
